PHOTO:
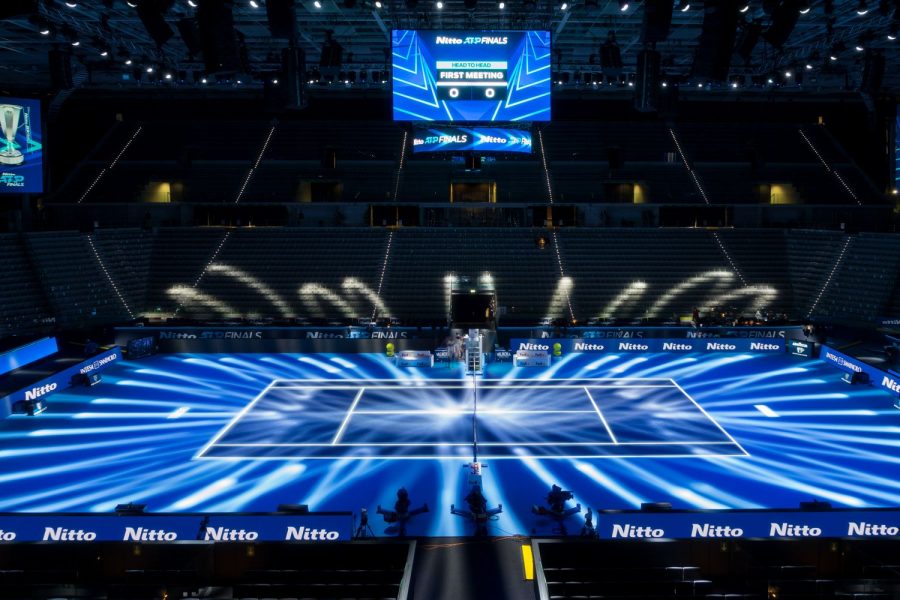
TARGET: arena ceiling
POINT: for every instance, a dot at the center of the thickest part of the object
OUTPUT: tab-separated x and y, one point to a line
826	50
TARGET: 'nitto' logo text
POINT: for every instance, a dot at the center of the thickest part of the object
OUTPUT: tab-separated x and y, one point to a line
632	531
35	393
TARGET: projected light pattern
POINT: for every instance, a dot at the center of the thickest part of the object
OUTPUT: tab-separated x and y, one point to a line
136	437
353	298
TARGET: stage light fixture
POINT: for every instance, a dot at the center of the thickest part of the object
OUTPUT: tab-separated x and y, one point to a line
623	5
192	4
745	8
72	4
863	8
439	5
317	4
502	5
564	6
254	4
128	61
684	5
293	509
130	509
378	4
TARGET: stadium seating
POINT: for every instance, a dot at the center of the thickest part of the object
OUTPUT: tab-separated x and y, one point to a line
23	307
334	273
111	571
801	570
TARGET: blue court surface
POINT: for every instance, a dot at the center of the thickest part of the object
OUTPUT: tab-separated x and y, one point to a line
193	433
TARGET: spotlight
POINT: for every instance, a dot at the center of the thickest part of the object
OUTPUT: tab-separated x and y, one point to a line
131	4
254	4
317	4
149	69
72	4
623	5
128	61
863	8
859	48
804	7
168	76
809	67
832	57
104	53
734	85
502	5
204	80
788	74
378	4
745	8
76	43
439	5
192	4
45	31
564	6
684	5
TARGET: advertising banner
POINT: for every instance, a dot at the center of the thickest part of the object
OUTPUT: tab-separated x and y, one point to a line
847	363
176	528
61	380
569	345
749	524
476	139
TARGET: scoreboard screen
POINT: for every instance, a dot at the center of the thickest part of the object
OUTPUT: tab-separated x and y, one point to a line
21	147
472	76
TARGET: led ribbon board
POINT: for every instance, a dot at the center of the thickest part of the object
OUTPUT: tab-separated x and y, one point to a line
478	139
471	76
21	147
897	151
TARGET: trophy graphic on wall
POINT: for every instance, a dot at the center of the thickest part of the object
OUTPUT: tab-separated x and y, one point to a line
9	122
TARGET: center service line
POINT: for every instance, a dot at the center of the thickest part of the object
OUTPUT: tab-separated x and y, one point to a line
340	432
602	418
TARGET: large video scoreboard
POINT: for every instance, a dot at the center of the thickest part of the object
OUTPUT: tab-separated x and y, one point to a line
471	76
21	147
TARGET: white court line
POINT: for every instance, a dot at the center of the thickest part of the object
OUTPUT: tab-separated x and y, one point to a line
340	431
602	418
486	457
464	444
765	410
455	411
231	423
425	388
708	416
482	381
